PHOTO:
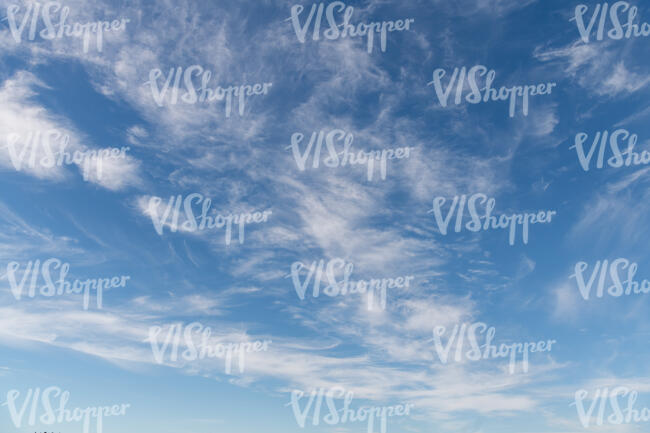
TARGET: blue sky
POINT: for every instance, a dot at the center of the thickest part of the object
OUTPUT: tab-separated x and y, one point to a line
102	226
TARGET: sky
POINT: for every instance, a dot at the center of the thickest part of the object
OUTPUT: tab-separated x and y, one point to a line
122	217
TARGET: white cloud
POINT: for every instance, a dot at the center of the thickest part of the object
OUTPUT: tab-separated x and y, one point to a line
590	65
623	81
35	141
